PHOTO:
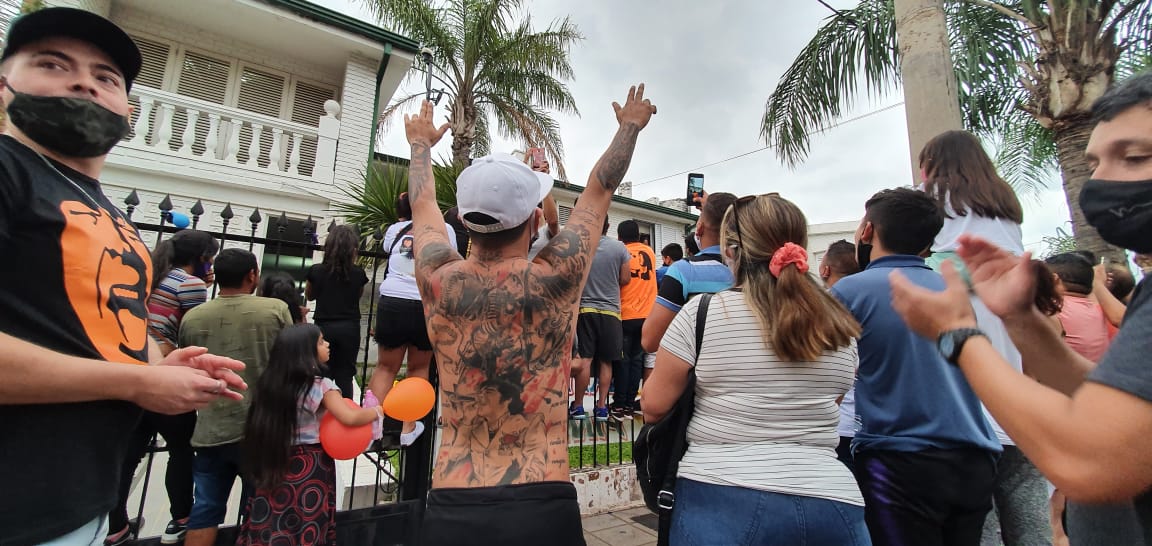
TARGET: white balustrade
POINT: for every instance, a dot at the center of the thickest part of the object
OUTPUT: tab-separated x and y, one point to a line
211	132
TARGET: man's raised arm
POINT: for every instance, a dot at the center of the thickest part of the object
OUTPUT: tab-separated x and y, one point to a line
582	231
431	248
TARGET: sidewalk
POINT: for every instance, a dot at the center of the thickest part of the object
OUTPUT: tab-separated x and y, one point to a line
623	528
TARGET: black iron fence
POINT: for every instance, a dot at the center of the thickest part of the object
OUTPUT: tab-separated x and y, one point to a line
387	510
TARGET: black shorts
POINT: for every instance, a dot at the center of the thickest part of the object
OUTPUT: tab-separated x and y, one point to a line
509	515
600	336
400	322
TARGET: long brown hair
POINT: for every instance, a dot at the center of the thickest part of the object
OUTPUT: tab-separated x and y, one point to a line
959	173
798	318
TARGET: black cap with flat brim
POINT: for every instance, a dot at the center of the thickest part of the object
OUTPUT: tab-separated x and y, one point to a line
81	25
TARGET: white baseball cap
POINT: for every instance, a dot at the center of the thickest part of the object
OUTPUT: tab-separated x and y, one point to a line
500	186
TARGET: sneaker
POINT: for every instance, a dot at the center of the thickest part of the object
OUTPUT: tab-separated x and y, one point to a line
174	533
601	414
576	412
408	438
129	535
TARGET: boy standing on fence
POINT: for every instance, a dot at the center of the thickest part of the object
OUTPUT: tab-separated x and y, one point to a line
74	344
501	327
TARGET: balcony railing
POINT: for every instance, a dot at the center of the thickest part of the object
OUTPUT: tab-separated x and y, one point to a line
182	126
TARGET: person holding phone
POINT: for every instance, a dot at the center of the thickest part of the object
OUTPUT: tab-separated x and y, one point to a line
536	160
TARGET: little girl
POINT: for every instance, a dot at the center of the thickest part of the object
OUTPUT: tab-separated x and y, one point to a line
295	498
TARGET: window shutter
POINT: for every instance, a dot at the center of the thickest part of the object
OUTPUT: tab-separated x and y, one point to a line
155	65
202	77
307	109
565	212
262	93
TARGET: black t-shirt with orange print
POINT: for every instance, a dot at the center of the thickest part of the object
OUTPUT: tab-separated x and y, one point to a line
75	281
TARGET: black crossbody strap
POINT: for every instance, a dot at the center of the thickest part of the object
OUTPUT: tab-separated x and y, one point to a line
690	388
399	235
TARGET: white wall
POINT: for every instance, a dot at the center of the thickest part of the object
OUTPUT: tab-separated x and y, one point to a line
358	98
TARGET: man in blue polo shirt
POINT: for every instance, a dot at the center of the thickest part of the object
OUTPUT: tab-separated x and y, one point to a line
925	456
704	273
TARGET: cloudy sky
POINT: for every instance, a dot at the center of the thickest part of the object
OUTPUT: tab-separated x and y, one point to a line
709	67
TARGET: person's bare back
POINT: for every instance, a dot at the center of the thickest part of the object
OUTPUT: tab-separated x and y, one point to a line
501	326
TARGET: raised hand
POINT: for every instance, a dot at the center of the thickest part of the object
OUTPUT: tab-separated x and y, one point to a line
421	130
1005	283
930	313
637	109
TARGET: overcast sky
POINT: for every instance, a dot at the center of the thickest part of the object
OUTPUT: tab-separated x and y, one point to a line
709	67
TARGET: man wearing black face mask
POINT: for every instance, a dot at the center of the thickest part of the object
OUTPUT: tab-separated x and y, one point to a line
74	347
1087	429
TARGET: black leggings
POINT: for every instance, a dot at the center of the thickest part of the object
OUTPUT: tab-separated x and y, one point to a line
344	339
177	433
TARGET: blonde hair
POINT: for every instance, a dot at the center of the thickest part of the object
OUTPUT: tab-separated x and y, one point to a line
798	318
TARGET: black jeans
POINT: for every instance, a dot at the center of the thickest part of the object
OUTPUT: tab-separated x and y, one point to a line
343	337
936	497
627	372
509	515
177	433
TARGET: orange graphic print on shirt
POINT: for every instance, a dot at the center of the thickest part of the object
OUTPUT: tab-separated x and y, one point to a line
107	269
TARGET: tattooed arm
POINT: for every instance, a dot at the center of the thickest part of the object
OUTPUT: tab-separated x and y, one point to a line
432	247
579	236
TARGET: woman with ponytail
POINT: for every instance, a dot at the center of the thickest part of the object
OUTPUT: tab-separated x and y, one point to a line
777	355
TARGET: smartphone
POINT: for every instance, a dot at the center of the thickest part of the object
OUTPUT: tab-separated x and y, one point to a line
537	157
695	189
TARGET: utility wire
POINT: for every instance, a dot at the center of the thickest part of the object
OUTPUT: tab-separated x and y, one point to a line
832	126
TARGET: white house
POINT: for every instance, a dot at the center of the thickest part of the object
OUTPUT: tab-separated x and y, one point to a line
263	104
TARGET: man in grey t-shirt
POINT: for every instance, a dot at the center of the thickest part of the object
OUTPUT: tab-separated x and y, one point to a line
599	334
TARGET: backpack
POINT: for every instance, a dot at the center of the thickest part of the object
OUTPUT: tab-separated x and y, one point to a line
660	446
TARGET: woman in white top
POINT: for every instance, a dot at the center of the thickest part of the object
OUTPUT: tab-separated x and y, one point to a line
400	329
957	172
778	353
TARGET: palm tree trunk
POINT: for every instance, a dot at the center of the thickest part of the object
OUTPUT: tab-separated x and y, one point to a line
463	130
931	102
1071	139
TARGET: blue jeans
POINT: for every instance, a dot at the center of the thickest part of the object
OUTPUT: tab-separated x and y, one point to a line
729	515
214	470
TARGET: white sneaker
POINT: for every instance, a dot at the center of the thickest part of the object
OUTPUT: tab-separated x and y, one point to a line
408	438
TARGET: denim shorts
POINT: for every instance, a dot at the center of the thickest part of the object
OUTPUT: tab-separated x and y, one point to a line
214	471
725	514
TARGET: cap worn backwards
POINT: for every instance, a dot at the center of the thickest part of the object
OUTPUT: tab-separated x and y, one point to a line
81	25
502	187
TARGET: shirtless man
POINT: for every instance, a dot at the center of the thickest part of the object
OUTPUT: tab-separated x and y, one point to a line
501	327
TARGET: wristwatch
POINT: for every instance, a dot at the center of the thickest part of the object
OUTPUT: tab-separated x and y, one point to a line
950	343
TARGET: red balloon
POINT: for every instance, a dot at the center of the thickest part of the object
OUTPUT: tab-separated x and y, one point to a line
410	399
341	441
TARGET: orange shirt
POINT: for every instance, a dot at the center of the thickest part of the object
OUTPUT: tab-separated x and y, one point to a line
639	295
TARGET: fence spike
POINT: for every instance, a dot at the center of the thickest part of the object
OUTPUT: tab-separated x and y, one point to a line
227	213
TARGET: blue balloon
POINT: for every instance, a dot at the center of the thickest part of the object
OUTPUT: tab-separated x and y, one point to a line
180	220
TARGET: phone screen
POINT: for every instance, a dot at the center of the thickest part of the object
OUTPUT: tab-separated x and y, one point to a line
695	188
537	157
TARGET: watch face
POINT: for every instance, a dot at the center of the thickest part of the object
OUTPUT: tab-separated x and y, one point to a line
947	346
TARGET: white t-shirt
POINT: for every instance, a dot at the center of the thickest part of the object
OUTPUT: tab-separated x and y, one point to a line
848	425
761	422
401	279
1005	234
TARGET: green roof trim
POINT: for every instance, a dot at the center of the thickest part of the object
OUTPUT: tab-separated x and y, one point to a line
347	23
396	160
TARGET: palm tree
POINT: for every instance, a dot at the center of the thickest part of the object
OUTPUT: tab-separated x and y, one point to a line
1028	72
493	68
372	206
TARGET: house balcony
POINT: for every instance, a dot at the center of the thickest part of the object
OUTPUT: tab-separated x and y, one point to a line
176	134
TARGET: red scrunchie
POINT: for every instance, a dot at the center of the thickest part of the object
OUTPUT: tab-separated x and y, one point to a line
789	254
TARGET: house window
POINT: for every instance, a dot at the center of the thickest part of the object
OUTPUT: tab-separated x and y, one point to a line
565	213
307	108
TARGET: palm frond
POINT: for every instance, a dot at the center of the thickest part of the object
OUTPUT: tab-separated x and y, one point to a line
823	79
372	206
1025	154
398	107
522	120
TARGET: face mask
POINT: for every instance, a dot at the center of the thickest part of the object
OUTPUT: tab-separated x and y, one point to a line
1120	211
863	254
70	126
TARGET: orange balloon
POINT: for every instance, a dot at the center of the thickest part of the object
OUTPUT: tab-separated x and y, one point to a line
341	441
410	400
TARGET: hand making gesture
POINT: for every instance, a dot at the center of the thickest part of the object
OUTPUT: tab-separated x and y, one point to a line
421	130
636	109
